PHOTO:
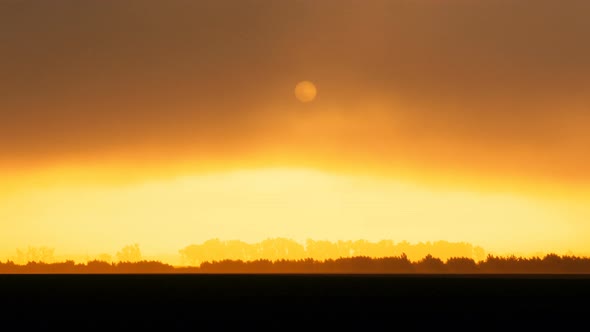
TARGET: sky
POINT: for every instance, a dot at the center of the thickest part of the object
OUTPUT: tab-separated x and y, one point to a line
101	100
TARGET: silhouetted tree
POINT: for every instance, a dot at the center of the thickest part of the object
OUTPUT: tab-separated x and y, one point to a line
461	265
129	253
97	266
35	254
430	264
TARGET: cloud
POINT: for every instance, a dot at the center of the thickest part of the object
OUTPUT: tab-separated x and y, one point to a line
495	87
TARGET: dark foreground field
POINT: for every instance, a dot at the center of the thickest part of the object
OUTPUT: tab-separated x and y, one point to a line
186	300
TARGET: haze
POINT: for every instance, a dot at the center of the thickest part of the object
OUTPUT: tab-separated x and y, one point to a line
124	122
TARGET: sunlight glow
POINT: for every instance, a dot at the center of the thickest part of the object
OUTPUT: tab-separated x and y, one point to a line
252	205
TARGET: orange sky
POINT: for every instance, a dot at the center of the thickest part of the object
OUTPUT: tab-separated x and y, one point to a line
102	99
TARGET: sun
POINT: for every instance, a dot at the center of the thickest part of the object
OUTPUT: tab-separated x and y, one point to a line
305	91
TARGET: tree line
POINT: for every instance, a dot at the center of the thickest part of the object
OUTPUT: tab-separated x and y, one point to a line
277	249
287	249
548	264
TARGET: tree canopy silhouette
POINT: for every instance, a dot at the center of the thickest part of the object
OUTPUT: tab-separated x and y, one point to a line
549	264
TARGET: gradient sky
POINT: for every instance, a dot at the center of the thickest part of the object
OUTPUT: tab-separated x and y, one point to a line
482	97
